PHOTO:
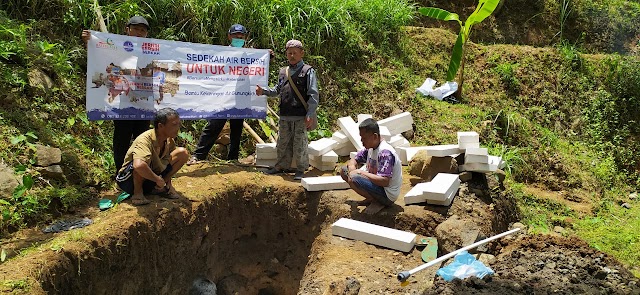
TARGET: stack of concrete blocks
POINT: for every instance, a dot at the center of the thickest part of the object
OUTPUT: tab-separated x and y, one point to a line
468	140
374	234
266	154
396	125
492	164
441	190
324	183
344	145
321	154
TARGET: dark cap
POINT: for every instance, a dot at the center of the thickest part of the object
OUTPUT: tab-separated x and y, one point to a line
138	20
237	28
293	44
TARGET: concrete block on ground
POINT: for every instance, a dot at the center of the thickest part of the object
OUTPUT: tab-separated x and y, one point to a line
416	194
374	234
345	150
340	137
321	146
266	156
412	151
402	154
385	134
266	147
266	162
470	136
399	123
477	151
398	141
440	187
494	163
320	165
329	156
470	158
324	183
350	128
467	145
441	150
447	201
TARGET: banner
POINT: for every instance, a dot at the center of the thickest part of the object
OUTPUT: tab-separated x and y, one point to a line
129	78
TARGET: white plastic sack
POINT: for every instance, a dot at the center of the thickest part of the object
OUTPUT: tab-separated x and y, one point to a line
439	93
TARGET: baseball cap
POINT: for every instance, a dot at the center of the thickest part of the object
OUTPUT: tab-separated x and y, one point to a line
293	44
237	28
138	20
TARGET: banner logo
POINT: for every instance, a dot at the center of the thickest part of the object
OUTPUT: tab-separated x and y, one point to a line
150	48
128	46
107	44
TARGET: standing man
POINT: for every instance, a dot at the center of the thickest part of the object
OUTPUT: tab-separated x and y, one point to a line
153	159
298	90
237	35
126	130
380	180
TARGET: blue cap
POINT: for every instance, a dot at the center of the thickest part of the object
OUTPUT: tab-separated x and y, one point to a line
237	28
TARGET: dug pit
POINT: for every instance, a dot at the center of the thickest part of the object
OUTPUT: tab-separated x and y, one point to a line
257	234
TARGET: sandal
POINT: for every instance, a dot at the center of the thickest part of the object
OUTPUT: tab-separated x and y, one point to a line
171	194
140	201
194	160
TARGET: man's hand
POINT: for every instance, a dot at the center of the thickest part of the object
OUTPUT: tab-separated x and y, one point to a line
86	36
259	90
307	122
160	182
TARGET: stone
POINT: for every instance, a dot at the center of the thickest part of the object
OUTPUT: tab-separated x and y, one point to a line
427	167
486	259
559	229
455	233
8	182
40	81
46	155
633	196
52	172
626	205
465	176
518	225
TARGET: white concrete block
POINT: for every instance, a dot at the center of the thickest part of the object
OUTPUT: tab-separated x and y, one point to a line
324	183
384	133
416	194
440	185
266	162
447	201
466	145
362	117
477	151
321	146
266	147
470	136
402	154
494	163
350	128
398	123
442	150
352	155
266	156
345	150
330	156
340	137
374	234
398	141
322	166
470	158
412	151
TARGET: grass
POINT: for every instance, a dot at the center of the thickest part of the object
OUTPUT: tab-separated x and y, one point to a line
615	231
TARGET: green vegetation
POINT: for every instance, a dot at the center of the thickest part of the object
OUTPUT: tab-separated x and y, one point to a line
564	121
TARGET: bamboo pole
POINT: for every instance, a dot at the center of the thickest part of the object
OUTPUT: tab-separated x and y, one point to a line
253	133
96	7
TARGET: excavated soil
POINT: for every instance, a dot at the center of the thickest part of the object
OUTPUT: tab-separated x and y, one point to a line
258	234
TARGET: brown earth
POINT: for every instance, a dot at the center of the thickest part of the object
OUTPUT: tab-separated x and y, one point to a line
258	234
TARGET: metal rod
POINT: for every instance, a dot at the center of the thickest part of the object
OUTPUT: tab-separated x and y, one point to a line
403	276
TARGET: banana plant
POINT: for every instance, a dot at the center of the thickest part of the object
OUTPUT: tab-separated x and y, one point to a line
483	10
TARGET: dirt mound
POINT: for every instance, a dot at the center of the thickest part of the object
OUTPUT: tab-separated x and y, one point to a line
547	265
